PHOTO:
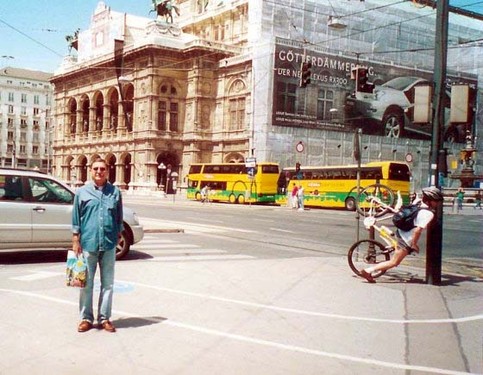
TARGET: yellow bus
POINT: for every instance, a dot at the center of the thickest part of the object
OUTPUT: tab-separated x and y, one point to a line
231	182
336	186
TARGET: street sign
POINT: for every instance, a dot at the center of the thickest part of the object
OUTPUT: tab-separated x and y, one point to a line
250	162
251	171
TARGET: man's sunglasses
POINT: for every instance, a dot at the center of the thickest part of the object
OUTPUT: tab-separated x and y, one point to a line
101	169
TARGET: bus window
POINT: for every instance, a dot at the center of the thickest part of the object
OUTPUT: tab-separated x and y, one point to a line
399	172
194	169
270	169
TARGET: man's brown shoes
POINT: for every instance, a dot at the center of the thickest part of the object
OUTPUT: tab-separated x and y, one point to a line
366	275
107	326
84	326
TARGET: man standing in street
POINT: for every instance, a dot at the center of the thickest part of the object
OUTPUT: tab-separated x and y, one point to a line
96	227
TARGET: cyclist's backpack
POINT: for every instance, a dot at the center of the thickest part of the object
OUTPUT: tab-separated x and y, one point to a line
404	218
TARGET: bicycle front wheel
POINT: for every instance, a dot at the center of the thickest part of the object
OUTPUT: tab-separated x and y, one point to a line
375	200
366	253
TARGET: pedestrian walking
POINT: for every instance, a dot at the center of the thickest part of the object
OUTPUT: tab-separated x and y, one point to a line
96	227
460	195
294	197
205	191
409	239
477	200
300	197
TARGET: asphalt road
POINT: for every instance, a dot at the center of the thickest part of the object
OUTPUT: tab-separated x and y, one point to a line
242	290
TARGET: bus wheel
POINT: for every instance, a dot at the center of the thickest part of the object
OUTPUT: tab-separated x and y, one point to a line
241	199
232	198
350	204
198	196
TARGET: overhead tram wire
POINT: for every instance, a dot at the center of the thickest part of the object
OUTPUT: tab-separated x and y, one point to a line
29	37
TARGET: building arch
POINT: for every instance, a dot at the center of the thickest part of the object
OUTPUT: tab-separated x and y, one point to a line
127	101
112	103
234	157
126	174
98	100
168	162
84	113
71	116
111	161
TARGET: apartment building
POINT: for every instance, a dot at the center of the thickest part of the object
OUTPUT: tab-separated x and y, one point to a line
25	118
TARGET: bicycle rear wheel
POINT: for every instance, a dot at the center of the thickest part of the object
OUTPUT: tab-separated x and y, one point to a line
368	202
366	253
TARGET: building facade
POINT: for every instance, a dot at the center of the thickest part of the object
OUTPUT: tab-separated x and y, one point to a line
25	124
221	83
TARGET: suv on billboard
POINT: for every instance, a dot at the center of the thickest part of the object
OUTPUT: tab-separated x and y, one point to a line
36	213
389	111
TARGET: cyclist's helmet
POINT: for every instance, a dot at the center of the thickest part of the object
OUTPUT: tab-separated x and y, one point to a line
432	193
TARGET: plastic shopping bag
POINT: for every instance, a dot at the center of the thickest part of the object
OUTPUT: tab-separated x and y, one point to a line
76	270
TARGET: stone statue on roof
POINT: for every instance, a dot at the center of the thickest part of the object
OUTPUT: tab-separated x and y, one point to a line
165	8
72	40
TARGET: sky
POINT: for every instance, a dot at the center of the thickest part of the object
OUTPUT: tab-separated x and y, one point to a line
32	32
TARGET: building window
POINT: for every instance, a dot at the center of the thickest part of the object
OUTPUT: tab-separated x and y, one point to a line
36	99
23	111
11	97
286	97
173	117
237	113
35	150
10	109
162	116
36	111
10	122
10	136
168	109
23	98
23	123
325	101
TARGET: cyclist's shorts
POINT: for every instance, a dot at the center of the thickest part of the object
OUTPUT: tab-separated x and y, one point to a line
403	244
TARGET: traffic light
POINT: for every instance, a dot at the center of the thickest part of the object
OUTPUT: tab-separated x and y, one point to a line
361	76
305	74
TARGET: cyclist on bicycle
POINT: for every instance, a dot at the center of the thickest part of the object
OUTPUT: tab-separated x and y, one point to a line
409	240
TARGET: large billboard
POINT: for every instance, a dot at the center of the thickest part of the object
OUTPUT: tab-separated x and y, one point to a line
331	101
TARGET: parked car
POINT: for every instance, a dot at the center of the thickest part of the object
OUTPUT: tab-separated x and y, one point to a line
389	111
36	213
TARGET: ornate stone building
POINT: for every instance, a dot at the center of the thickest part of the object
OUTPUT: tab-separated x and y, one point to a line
150	99
221	83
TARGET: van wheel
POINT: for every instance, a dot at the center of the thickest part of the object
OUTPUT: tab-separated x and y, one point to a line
232	198
198	196
241	199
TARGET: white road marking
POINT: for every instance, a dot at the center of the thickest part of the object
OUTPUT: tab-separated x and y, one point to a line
156	246
281	230
313	313
267	343
168	252
150	223
36	276
199	257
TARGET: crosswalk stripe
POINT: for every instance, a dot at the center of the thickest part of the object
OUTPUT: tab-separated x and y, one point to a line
150	223
155	246
200	257
36	276
191	251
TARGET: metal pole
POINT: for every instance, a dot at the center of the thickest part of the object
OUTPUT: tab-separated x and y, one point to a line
434	238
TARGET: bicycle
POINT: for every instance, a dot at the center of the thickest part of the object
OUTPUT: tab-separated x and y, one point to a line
374	205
